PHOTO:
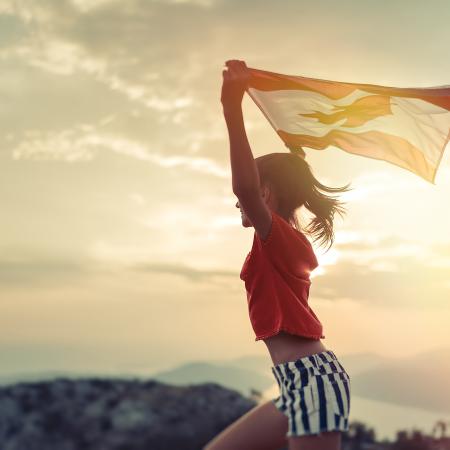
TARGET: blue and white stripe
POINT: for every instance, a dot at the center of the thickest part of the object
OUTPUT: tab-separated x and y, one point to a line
314	394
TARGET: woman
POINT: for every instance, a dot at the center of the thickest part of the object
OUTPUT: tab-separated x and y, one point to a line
313	407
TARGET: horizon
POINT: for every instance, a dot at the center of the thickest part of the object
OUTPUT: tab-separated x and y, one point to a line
212	361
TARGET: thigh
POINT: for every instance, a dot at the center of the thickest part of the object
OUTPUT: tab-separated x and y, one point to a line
327	440
264	427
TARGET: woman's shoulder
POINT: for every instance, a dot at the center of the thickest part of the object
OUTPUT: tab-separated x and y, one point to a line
287	245
287	227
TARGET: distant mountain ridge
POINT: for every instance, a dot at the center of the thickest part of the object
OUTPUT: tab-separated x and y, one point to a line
233	377
419	380
373	376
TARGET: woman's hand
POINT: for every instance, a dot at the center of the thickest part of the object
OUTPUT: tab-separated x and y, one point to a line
235	82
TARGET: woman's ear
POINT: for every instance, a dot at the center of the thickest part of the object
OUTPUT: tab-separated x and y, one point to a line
268	195
266	192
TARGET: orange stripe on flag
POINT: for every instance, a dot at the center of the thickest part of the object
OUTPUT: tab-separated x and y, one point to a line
272	81
402	153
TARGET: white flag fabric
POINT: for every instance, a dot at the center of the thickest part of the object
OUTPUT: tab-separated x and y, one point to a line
408	127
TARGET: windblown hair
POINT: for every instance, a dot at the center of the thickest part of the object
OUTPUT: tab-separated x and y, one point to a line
290	177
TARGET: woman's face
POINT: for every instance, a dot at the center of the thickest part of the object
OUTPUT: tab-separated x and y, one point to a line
245	220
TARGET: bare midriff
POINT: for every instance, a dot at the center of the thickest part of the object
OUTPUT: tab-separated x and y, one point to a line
284	347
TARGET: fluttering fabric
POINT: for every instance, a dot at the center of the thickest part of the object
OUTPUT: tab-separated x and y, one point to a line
408	127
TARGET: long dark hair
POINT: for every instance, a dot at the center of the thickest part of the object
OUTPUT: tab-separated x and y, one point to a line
290	177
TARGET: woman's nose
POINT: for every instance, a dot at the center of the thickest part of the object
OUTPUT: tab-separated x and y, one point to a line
237	204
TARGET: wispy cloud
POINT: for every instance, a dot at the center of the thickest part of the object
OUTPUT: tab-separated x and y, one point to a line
393	269
82	142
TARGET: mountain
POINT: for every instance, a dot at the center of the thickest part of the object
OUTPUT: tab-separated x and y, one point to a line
355	363
251	372
98	413
421	380
48	375
257	363
233	377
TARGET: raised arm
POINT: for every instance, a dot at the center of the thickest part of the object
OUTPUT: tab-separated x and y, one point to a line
245	176
243	167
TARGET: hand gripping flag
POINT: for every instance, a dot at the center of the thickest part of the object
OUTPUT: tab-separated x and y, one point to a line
408	127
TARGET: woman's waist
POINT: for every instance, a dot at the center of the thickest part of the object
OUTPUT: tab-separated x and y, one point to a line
285	347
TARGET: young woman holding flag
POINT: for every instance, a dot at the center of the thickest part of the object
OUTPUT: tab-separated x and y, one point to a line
313	407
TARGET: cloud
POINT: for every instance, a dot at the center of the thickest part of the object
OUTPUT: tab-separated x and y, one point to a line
398	281
87	6
368	248
399	276
24	268
91	56
160	59
82	143
189	273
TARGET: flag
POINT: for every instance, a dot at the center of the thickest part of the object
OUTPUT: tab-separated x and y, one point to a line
408	127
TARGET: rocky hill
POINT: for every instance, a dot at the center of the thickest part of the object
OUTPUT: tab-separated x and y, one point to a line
115	414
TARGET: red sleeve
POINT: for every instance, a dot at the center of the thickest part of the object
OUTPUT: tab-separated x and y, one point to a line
287	248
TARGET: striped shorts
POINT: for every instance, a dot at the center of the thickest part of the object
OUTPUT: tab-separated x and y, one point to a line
314	394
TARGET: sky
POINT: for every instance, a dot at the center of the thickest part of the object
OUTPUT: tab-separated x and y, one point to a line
120	242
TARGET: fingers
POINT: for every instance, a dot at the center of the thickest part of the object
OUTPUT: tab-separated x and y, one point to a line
233	61
236	64
236	68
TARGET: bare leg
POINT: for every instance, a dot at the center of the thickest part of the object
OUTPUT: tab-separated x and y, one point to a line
328	440
262	428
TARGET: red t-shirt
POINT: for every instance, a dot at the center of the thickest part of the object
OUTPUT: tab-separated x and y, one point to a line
276	275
